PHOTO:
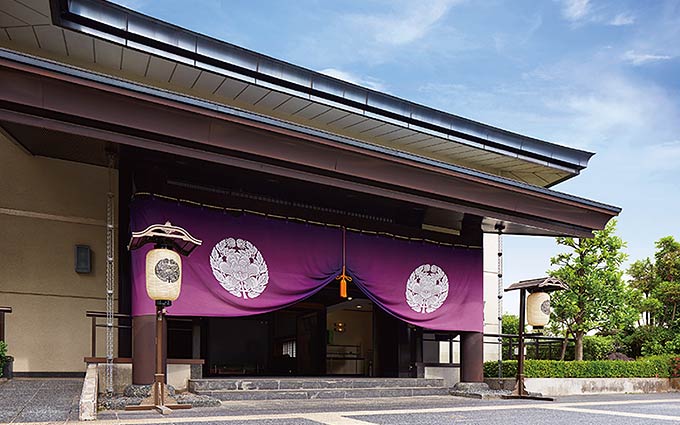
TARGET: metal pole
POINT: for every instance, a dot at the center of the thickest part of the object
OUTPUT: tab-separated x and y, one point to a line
158	387
520	355
500	228
110	276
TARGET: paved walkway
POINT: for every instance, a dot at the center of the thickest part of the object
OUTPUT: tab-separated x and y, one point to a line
601	410
39	400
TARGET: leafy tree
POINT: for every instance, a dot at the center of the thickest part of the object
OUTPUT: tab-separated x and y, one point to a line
510	324
597	297
667	290
657	284
643	281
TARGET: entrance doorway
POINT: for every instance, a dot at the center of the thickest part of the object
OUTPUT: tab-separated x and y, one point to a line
323	335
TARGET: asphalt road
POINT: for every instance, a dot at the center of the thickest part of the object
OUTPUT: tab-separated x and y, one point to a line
601	410
40	402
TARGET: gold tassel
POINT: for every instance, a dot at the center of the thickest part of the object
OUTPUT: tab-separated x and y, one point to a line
343	278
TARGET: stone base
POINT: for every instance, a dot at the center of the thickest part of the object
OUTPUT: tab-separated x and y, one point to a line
471	386
144	391
479	390
87	406
229	389
136	395
501	384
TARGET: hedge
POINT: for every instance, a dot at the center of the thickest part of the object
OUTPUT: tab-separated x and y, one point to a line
3	353
647	367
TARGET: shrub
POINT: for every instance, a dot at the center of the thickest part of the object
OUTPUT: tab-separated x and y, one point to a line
648	367
598	347
649	340
675	367
3	356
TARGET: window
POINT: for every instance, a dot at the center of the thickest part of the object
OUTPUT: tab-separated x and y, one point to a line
288	348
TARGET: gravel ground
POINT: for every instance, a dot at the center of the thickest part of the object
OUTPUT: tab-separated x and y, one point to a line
38	400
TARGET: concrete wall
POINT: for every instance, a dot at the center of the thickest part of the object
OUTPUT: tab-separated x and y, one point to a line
48	206
491	351
550	387
576	386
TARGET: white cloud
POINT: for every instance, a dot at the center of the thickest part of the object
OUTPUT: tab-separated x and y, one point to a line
413	33
575	10
622	19
643	58
367	82
411	22
661	157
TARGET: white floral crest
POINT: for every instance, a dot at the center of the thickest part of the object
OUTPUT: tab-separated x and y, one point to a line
239	267
427	288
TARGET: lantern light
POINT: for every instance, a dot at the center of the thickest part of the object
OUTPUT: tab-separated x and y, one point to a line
538	309
163	274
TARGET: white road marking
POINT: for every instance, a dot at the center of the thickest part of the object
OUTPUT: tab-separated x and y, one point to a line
333	419
615	413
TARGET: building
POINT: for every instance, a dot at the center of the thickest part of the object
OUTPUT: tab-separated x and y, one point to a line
100	104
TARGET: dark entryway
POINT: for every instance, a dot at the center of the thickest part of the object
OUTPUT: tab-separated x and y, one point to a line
323	335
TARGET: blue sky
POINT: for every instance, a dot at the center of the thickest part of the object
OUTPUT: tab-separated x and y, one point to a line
599	75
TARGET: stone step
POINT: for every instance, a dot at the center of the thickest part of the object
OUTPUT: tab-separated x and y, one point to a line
336	393
253	384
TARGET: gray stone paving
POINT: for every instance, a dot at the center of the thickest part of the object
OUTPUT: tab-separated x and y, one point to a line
55	401
39	400
505	418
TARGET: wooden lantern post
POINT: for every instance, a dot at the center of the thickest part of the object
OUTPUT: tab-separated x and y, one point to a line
163	285
533	286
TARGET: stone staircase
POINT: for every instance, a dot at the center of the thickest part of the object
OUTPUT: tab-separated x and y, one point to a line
315	388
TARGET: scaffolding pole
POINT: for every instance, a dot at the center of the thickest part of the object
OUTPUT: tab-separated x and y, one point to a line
110	275
500	227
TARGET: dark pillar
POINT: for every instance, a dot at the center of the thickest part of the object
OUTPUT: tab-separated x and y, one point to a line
196	338
124	273
144	349
471	357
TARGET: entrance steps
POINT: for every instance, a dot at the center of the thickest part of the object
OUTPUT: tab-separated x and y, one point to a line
315	388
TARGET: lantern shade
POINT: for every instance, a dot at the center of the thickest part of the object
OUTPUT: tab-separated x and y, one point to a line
538	309
163	274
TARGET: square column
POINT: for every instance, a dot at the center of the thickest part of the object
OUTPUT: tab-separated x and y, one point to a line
472	357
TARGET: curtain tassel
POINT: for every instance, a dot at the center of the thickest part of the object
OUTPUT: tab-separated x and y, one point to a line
343	278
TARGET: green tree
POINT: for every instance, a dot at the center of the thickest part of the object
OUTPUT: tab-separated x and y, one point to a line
643	281
510	324
597	298
667	288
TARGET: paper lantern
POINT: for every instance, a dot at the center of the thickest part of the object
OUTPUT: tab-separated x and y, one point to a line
538	309
163	274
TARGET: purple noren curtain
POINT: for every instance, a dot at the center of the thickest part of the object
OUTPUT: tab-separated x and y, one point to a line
250	264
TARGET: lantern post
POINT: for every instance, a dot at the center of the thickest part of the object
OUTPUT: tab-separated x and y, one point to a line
163	285
538	311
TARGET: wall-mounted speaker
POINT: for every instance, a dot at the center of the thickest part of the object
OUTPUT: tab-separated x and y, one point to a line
83	259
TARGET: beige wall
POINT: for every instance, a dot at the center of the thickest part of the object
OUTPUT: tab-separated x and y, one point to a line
48	206
358	332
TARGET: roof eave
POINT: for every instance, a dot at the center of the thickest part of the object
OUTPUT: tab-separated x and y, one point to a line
130	28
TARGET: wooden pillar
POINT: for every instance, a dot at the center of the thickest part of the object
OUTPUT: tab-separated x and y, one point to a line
144	348
471	357
196	338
